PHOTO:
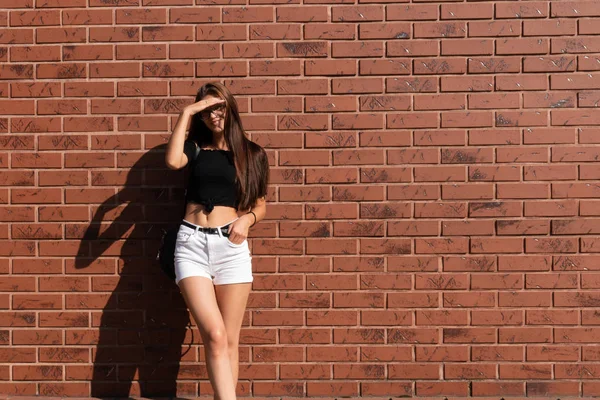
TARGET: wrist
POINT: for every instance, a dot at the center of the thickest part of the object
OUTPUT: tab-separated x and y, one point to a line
187	112
251	218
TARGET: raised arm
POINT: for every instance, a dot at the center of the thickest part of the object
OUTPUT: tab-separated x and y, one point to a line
175	158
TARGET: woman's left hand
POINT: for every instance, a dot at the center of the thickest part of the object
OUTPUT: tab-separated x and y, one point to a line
238	230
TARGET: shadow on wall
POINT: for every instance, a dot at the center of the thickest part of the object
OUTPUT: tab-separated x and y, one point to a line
141	330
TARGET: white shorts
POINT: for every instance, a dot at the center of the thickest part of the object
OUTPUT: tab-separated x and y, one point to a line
211	255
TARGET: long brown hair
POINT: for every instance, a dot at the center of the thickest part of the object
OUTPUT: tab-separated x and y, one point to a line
250	159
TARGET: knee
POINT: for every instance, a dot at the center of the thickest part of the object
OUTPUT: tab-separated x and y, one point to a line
216	341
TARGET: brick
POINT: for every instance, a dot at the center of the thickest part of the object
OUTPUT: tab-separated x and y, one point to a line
498	281
137	89
35	18
440	29
383	31
167	33
332	67
38	89
16	36
412	120
85	89
556	27
552	353
471	47
87	52
574	9
460	228
357	49
435	66
521	82
356	85
33	54
419	228
266	68
415	371
33	373
494	28
480	371
437	246
87	17
522	46
414	48
221	32
60	35
573	46
494	174
497	246
588	26
519	191
328	31
279	31
411	85
302	86
442	388
34	125
467	11
533	9
248	50
549	64
466	84
141	52
357	13
176	16
468	335
441	353
411	12
441	281
439	102
424	191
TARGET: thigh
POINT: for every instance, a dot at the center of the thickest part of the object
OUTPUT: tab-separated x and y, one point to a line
199	295
232	300
191	257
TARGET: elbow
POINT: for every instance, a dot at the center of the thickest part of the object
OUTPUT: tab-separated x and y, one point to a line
171	164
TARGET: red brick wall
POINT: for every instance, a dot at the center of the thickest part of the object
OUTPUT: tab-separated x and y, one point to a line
432	220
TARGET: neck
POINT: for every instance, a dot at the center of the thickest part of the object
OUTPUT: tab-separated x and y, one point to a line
219	141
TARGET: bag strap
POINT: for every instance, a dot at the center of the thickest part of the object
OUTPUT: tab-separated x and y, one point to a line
197	151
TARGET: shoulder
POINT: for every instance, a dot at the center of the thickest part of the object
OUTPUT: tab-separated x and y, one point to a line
190	144
190	149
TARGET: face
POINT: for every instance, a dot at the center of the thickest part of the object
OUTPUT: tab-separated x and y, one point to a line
214	116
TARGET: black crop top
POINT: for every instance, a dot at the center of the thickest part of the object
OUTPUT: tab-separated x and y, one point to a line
212	177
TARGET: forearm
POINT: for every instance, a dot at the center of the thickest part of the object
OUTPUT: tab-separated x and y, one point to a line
174	153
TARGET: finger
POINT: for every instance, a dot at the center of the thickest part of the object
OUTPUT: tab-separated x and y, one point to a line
232	237
238	239
213	100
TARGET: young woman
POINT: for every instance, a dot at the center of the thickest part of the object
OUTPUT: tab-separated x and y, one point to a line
225	197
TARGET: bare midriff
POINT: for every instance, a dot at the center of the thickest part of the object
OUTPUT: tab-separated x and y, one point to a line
219	216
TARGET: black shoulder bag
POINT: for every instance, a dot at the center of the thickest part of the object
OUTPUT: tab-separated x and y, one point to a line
166	251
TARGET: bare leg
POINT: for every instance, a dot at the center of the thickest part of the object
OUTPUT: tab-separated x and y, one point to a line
232	301
199	294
